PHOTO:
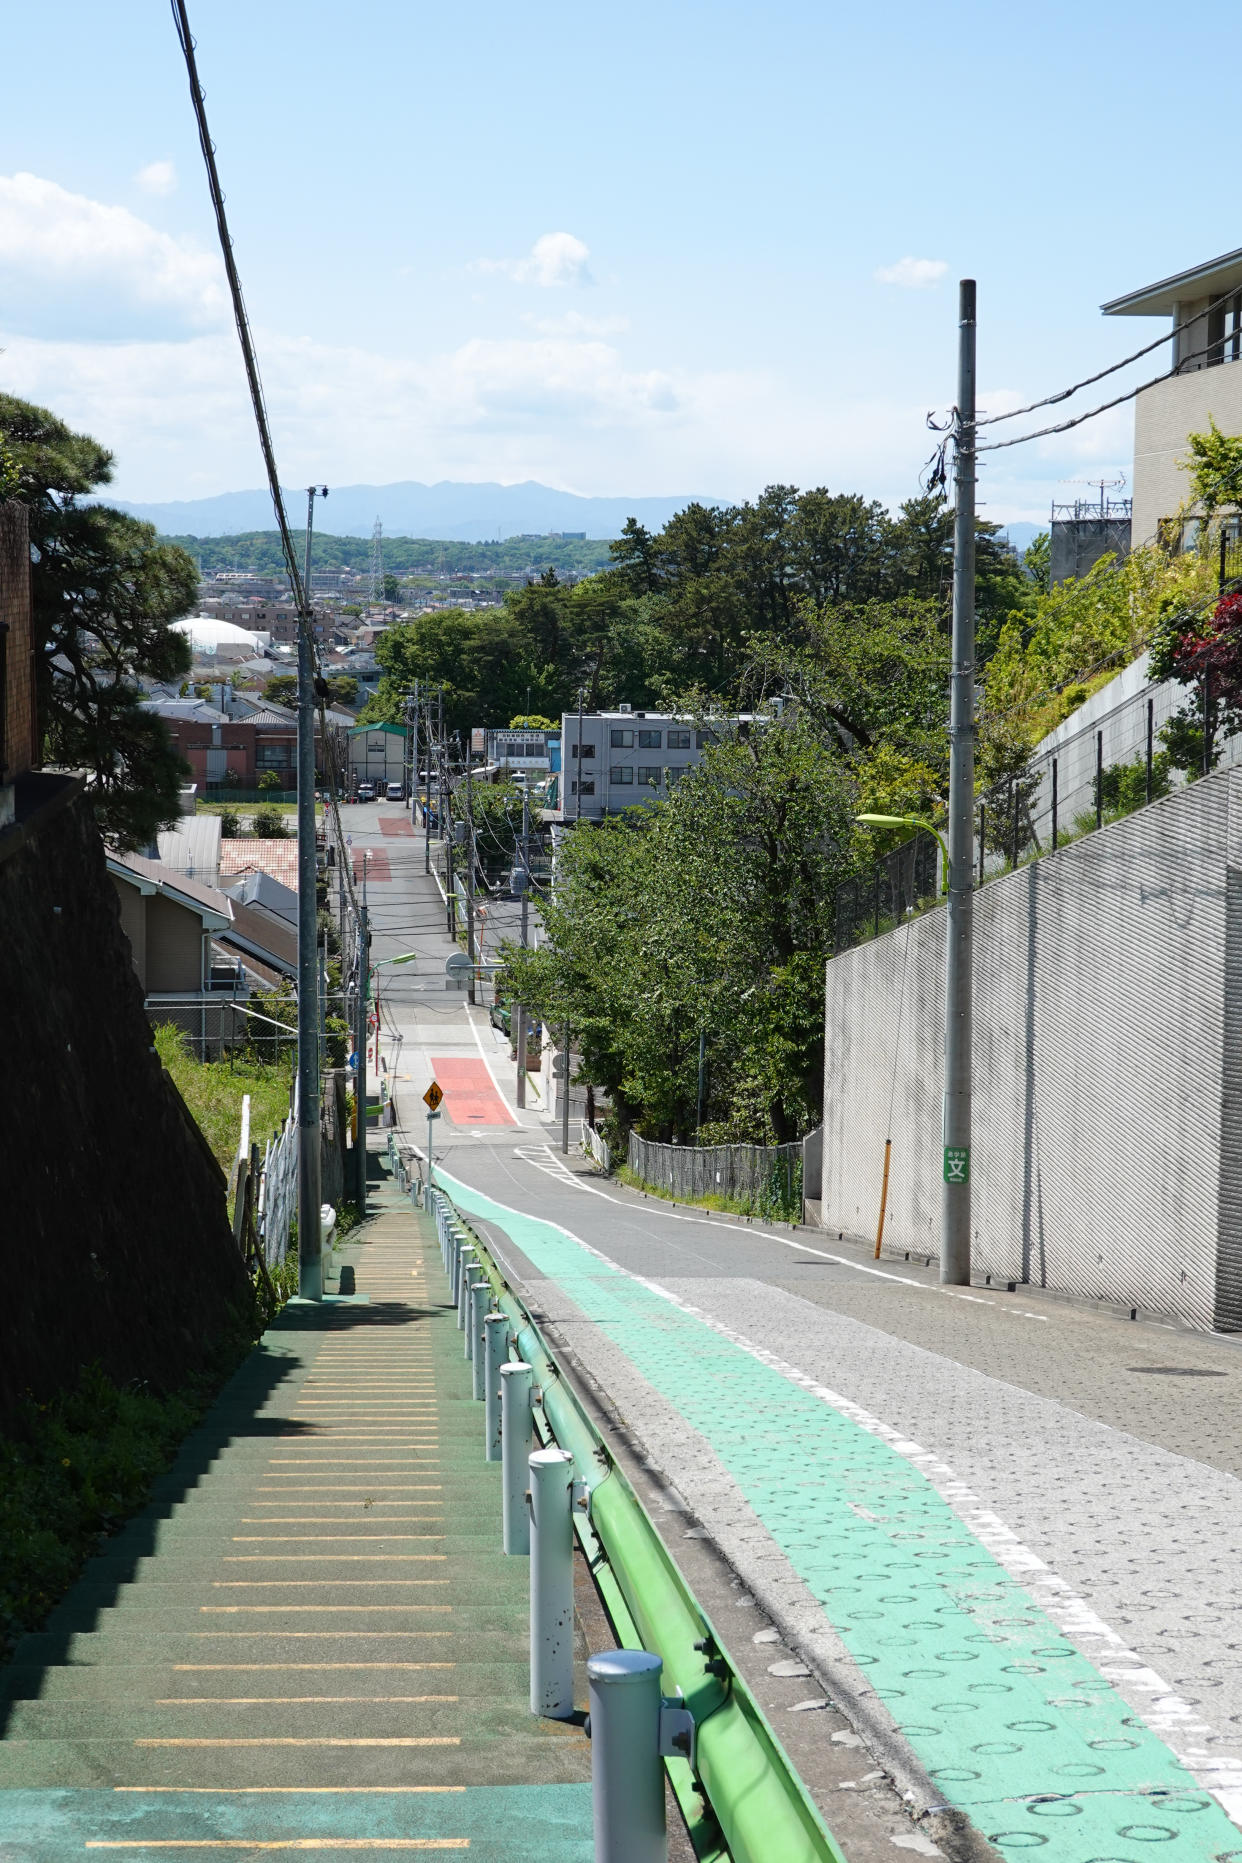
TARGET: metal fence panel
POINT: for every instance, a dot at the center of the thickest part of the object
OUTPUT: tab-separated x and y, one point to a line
750	1173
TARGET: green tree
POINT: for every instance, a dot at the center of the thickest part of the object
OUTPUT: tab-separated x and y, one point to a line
1037	561
282	690
1215	468
105	591
713	911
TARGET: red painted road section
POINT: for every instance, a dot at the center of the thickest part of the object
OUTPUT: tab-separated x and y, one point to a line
396	824
378	866
470	1098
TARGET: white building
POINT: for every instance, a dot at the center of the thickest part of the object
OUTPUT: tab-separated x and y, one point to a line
617	760
1207	302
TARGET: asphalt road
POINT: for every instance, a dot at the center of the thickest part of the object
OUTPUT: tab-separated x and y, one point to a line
1069	1480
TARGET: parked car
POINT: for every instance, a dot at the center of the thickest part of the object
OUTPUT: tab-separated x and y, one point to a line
395	792
498	1016
366	792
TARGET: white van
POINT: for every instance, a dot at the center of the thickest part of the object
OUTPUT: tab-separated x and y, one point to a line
395	792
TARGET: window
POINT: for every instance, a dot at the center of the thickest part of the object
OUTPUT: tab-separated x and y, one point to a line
585	788
1225	330
704	738
622	740
621	773
274	756
649	740
679	740
588	750
649	776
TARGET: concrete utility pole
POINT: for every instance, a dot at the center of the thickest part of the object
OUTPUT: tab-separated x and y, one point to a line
470	871
578	772
519	1009
310	1264
360	1050
955	1235
430	754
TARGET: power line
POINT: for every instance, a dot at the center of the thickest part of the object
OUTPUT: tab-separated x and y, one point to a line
1063	394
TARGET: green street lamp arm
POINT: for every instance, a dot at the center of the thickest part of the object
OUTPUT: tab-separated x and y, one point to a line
908	821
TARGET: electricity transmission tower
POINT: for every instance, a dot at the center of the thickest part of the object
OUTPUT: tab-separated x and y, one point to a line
377	561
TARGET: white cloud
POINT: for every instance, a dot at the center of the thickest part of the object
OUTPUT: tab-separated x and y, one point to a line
912	274
573	323
157	178
554	259
71	267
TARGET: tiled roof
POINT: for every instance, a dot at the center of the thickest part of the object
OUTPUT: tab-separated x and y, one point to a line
279	858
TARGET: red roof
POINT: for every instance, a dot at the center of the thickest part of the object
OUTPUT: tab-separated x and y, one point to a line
279	858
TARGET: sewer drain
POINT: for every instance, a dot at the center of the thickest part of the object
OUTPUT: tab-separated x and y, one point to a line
1176	1371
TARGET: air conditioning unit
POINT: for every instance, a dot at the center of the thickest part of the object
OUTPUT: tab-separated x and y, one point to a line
625	708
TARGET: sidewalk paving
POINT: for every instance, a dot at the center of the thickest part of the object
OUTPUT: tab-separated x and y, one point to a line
311	1638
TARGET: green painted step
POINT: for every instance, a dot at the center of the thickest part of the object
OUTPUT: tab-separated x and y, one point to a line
120	1682
480	1717
483	1619
551	1823
513	1757
139	1643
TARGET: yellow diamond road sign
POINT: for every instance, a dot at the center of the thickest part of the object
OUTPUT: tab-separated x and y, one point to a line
433	1096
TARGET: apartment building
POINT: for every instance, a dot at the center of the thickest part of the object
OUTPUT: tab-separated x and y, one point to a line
621	759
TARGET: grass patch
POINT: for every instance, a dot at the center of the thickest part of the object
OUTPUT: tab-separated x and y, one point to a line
773	1211
73	1470
214	1090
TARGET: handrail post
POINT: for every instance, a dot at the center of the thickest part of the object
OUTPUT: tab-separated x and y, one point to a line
480	1294
495	1352
517	1433
551	1584
627	1778
465	1261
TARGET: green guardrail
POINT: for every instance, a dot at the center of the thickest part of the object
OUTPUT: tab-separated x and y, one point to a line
743	1800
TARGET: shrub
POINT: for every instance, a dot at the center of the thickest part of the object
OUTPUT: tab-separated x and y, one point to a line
269	824
268	779
230	822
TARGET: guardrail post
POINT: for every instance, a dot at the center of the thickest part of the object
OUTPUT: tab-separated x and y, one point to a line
495	1352
627	1778
465	1263
454	1244
517	1432
551	1584
480	1294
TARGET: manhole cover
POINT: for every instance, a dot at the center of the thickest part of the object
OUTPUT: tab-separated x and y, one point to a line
1176	1371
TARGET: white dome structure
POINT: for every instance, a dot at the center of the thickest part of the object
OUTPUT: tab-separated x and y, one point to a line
213	639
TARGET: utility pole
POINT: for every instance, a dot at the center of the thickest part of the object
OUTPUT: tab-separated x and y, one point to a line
959	930
578	775
470	872
360	1051
520	1008
426	790
310	1263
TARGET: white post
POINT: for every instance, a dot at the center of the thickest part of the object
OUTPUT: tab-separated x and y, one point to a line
495	1352
551	1584
517	1431
627	1778
480	1295
465	1264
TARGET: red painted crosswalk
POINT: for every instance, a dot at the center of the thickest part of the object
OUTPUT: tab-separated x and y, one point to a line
470	1096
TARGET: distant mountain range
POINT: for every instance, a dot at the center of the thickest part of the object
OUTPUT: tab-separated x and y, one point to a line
454	511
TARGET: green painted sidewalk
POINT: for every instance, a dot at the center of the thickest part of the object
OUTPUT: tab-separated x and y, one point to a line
1014	1725
311	1639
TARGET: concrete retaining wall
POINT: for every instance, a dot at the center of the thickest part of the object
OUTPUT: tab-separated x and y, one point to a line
1107	1146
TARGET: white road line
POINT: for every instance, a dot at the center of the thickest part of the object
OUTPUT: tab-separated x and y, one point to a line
748	1229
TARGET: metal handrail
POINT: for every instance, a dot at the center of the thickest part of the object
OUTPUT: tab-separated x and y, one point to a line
743	1798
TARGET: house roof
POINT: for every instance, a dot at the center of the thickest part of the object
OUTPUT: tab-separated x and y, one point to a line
279	858
1161	299
266	895
270	940
192	847
360	730
151	876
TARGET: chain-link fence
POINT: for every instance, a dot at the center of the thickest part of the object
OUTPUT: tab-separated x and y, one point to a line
900	883
766	1177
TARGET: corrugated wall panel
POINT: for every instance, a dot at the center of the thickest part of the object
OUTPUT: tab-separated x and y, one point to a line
1102	1018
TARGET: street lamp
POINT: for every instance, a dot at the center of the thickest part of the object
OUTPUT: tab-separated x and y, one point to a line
909	821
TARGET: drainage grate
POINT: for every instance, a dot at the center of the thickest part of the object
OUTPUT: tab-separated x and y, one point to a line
1177	1371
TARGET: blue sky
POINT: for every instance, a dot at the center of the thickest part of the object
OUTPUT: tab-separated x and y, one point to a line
625	250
